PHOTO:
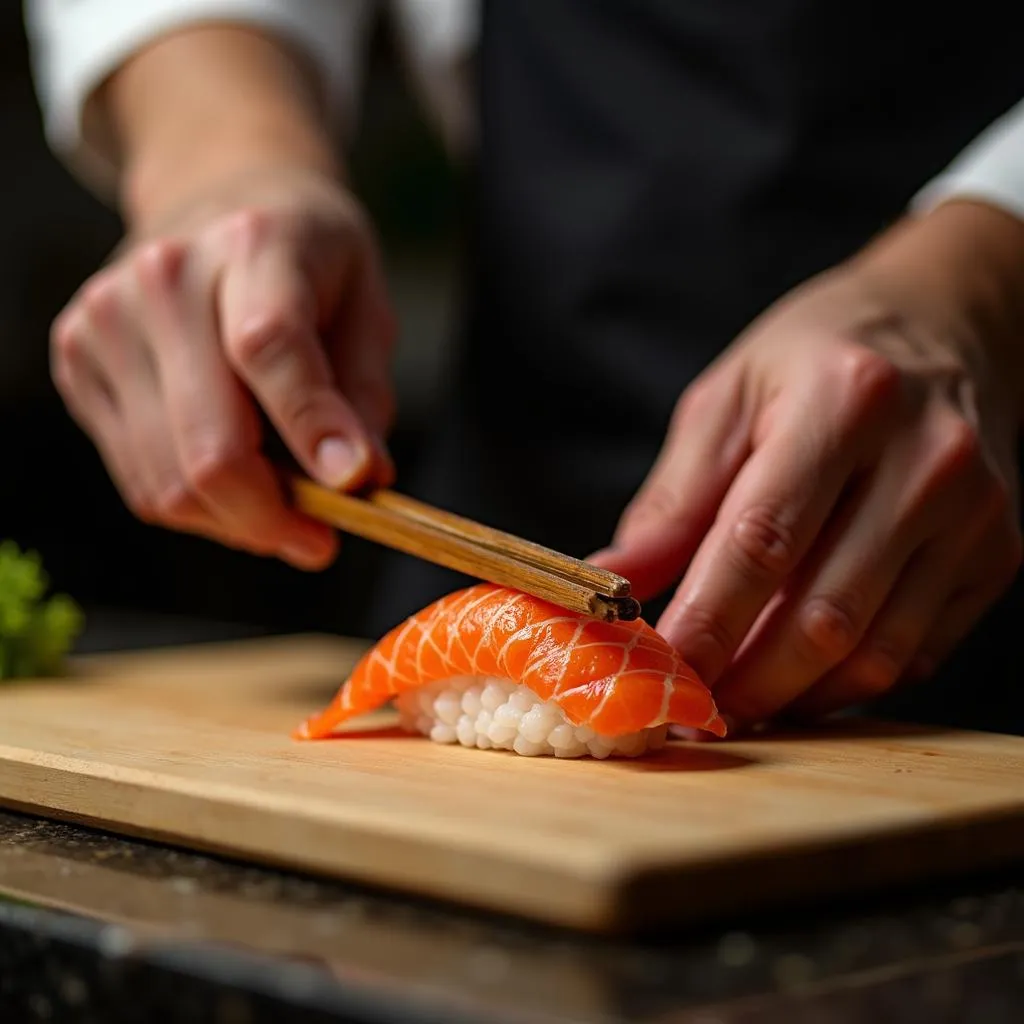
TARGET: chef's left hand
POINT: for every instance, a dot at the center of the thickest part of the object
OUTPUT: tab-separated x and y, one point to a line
840	486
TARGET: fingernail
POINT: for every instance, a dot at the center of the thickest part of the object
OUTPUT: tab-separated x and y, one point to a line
339	461
597	556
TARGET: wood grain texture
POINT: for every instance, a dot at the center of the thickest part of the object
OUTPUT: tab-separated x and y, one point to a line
192	746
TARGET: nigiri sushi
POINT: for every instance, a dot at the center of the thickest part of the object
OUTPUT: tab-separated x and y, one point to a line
494	668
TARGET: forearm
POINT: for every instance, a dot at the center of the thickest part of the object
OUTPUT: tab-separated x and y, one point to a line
200	107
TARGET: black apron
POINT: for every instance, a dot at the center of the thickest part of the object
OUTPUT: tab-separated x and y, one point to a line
652	175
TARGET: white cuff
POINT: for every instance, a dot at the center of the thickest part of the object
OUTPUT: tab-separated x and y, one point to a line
990	169
76	44
438	31
437	37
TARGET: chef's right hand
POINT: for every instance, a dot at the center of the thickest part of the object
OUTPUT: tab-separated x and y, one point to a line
267	294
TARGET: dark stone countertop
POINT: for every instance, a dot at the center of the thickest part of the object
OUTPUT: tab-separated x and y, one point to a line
99	929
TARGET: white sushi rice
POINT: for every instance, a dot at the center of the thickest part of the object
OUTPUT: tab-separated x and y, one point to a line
499	714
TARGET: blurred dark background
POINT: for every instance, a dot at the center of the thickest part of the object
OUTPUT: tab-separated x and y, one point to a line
54	492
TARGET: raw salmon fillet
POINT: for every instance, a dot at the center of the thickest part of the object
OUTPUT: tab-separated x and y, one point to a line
616	678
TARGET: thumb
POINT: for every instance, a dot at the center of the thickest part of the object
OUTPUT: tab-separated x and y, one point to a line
268	322
662	527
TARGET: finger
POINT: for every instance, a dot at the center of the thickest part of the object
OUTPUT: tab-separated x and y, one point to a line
774	511
83	387
268	323
206	428
707	442
885	653
823	618
360	347
116	362
922	499
136	444
90	398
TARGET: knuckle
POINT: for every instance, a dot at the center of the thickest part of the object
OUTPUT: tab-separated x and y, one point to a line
828	628
67	336
881	664
763	545
695	400
264	338
957	446
306	412
869	380
717	642
159	264
101	300
716	391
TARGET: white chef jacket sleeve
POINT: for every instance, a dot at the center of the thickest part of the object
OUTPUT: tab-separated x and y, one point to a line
76	44
990	169
437	39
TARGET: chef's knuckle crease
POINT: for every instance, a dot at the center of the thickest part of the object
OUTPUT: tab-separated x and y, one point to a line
67	335
828	626
958	446
869	379
883	662
265	338
763	546
307	413
711	625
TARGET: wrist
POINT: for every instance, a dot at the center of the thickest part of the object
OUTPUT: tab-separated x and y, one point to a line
168	178
962	264
201	108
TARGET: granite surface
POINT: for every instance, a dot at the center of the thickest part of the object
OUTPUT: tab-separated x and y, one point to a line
94	928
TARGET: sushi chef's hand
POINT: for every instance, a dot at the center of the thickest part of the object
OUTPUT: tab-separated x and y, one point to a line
840	486
249	280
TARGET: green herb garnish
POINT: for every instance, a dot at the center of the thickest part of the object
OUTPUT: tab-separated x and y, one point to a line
36	632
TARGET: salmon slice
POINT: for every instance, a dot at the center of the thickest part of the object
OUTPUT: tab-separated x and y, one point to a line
612	679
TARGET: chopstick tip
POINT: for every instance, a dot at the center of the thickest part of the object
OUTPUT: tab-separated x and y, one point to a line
615	609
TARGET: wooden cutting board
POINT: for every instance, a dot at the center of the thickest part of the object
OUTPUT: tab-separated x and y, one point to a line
191	746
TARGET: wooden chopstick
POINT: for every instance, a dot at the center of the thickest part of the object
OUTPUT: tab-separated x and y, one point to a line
396	521
603	581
